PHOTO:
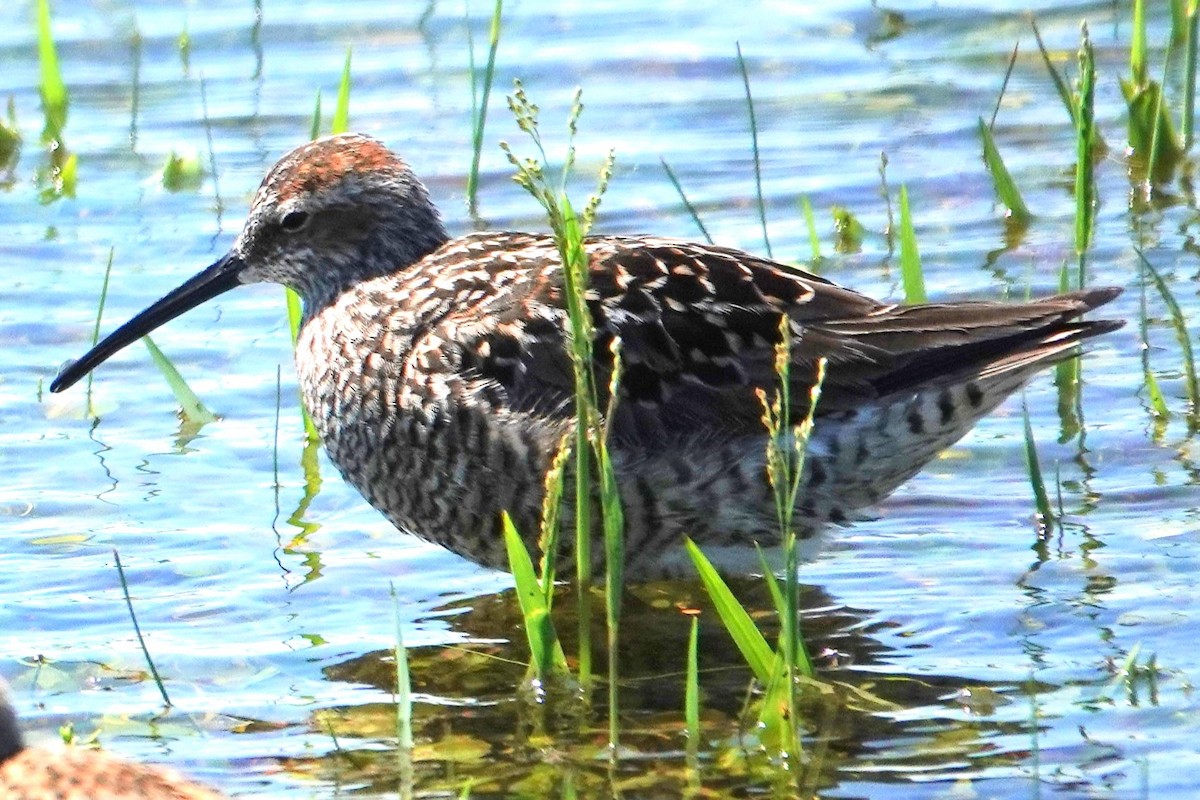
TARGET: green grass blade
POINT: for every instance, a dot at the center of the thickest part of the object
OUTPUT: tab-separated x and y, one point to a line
775	719
691	699
96	327
137	629
341	112
404	704
762	207
1158	403
295	315
1137	47
1085	186
1002	182
1041	499
1191	384
544	647
810	222
691	209
1060	85
314	130
746	635
1012	62
1067	377
910	258
480	116
772	582
55	98
193	410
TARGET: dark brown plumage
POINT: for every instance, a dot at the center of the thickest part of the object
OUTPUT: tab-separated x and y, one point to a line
437	373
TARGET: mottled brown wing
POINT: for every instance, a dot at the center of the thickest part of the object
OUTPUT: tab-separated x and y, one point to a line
698	326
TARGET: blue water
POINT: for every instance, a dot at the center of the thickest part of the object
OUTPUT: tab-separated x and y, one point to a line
249	616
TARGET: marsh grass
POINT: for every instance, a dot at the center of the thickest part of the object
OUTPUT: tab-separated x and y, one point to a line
1158	404
592	465
137	629
1045	512
912	276
1085	125
58	179
1192	32
776	669
691	209
479	103
404	704
691	695
1002	180
90	408
758	190
341	111
193	410
53	90
810	225
1191	383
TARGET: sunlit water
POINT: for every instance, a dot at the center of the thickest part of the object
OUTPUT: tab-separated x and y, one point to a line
995	657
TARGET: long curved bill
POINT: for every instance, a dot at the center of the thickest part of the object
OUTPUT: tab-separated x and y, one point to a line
216	279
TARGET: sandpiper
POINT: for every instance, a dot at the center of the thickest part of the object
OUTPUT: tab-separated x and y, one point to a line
78	773
436	372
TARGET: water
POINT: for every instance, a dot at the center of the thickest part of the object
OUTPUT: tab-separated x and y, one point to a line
955	629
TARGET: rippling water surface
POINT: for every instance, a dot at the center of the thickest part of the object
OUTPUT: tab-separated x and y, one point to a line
988	658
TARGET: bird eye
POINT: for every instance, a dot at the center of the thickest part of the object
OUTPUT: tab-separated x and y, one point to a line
294	221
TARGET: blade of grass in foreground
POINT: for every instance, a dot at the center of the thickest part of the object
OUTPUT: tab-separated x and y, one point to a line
193	410
590	446
691	700
544	646
910	258
746	635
